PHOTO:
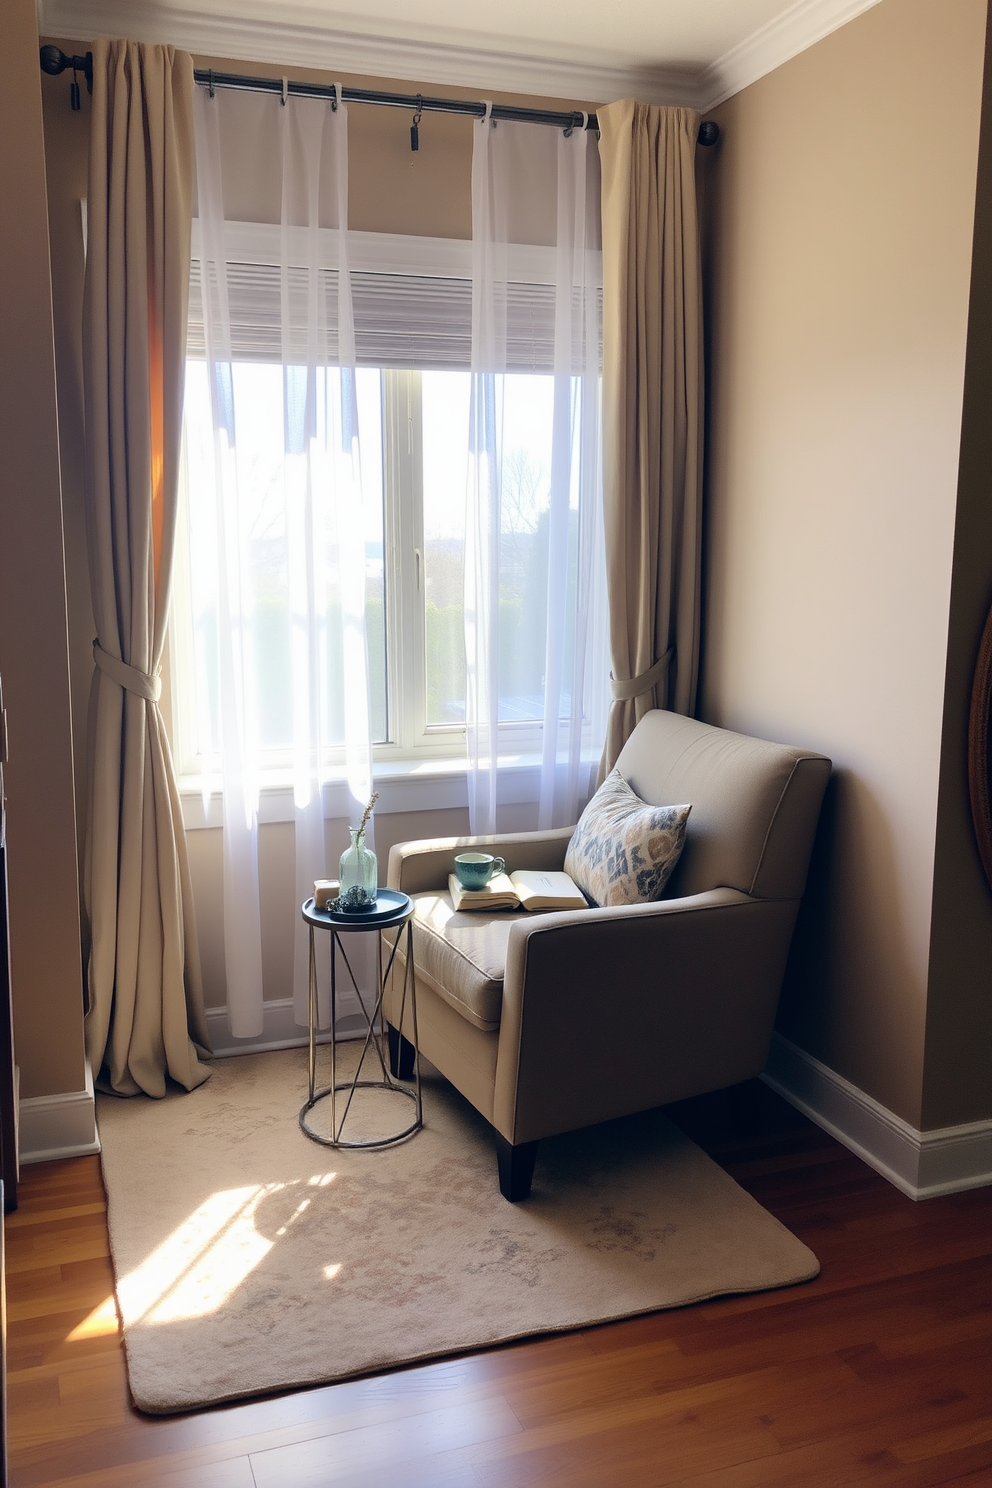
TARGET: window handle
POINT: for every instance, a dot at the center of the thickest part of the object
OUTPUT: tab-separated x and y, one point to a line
416	558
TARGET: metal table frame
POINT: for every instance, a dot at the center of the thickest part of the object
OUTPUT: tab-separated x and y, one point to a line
400	919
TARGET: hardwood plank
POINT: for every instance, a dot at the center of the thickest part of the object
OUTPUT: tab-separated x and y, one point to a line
312	1464
646	1450
945	1439
22	1220
263	1426
844	1462
232	1472
86	1248
35	1302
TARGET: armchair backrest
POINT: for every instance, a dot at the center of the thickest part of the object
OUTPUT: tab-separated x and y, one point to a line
754	804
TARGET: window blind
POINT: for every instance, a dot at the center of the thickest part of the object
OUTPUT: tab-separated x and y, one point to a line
405	317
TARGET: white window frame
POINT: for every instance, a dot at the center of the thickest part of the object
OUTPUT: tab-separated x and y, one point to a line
416	750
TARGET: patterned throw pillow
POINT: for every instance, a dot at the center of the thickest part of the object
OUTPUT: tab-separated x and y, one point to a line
623	850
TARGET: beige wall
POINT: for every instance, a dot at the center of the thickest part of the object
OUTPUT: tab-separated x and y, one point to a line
841	207
44	918
957	1081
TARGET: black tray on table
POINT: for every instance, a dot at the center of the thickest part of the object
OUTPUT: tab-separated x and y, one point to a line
390	908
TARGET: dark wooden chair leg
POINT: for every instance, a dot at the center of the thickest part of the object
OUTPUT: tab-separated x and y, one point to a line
516	1168
401	1054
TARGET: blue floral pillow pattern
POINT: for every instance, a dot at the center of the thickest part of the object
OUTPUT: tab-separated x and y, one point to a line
623	851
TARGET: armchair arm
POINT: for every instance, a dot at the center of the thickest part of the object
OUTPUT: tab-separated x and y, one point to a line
415	867
609	1011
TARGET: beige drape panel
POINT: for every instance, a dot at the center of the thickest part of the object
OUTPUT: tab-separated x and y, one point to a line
145	1006
652	409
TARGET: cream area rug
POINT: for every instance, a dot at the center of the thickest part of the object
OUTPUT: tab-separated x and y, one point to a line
250	1259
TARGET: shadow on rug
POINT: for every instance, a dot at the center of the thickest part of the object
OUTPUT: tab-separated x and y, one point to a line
248	1259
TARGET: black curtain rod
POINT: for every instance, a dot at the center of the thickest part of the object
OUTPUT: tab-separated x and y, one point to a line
54	61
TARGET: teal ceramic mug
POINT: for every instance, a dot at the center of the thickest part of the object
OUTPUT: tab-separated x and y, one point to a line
474	870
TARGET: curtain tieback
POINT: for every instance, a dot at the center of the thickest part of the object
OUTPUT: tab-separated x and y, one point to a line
643	682
128	677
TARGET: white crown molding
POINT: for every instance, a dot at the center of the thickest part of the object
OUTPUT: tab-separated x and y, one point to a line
796	29
57	1126
920	1164
289	36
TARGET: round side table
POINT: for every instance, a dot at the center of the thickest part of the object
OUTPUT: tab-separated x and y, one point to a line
393	911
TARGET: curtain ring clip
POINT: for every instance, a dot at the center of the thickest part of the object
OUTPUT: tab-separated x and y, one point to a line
285	91
210	82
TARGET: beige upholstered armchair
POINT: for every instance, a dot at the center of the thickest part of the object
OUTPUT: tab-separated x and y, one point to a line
550	1022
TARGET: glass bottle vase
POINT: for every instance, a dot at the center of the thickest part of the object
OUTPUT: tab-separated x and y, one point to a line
358	875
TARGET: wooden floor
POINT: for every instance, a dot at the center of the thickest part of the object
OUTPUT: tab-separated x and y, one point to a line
880	1371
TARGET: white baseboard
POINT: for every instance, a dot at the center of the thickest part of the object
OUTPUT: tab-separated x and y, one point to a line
55	1126
64	1125
921	1164
280	1030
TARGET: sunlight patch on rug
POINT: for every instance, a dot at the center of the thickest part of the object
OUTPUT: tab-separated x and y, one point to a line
198	1267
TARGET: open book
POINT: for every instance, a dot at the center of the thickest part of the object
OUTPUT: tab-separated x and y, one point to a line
528	888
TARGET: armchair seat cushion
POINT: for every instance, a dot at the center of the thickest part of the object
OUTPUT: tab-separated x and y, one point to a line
463	955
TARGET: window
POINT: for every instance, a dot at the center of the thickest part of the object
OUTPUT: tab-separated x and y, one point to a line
412	307
413	427
413	332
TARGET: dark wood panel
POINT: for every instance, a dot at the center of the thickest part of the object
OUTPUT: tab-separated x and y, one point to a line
8	1122
879	1371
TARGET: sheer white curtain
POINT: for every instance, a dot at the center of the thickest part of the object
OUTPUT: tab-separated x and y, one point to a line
279	516
535	213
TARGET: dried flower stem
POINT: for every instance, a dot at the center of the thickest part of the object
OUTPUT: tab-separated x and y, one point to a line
368	812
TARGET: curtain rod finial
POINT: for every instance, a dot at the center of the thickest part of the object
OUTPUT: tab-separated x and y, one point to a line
53	60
